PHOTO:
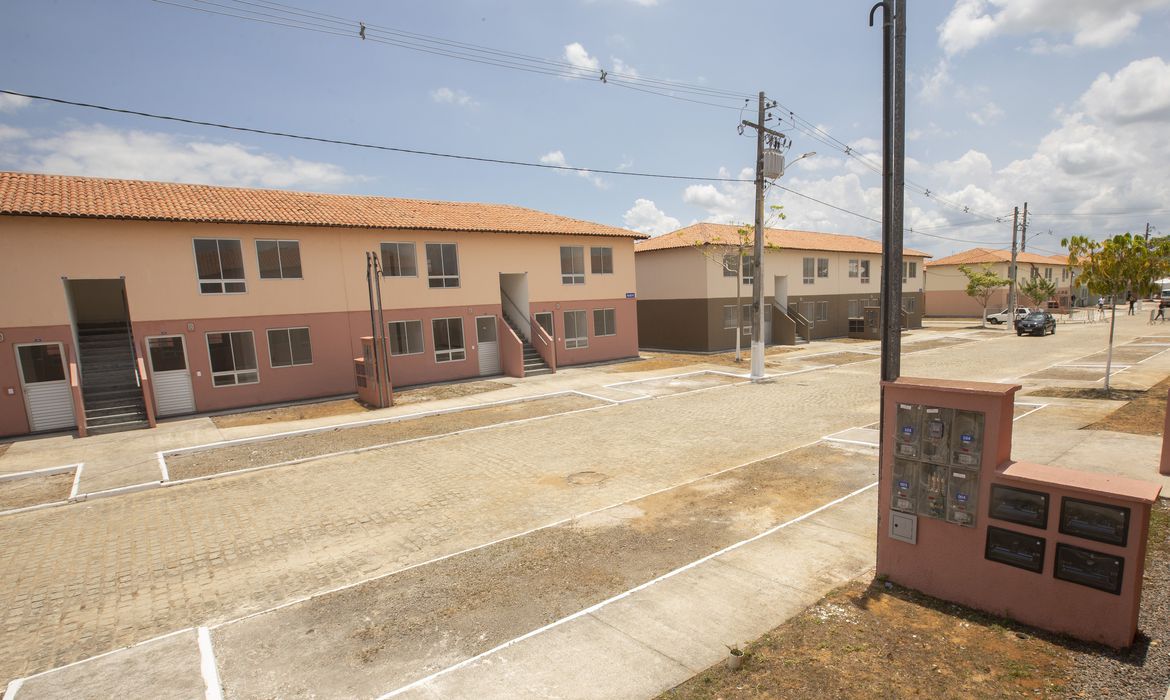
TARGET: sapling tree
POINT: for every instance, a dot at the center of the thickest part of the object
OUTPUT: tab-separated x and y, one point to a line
1038	289
981	284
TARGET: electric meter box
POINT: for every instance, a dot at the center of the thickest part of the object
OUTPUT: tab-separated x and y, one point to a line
962	497
932	490
905	486
935	434
909	429
967	439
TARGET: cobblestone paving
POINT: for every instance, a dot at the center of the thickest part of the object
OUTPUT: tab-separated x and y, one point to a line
87	578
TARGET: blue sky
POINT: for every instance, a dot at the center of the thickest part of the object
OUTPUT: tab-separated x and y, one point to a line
1056	102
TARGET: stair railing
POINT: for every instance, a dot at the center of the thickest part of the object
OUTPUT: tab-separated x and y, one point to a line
510	305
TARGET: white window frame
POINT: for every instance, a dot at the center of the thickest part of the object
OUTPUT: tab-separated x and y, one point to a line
234	373
576	342
279	259
822	311
606	256
910	304
729	319
572	276
608	322
1048	273
730	269
551	322
444	276
748	269
825	268
864	265
854	268
406	323
809	270
288	336
221	281
448	355
398	252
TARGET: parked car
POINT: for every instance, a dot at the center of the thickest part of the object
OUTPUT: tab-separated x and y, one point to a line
1036	323
1005	315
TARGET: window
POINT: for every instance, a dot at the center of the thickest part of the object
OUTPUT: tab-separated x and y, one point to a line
822	267
855	308
1035	272
909	304
822	311
748	272
865	272
1048	273
853	268
398	261
233	358
442	265
576	330
909	271
603	322
545	319
729	320
729	266
448	334
572	264
601	260
279	259
1064	273
289	346
809	266
220	264
405	337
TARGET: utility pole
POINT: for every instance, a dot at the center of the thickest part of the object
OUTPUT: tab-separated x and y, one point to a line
1012	269
1147	231
1024	230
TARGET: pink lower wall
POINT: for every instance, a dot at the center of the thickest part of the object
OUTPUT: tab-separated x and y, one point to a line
621	345
954	302
948	561
511	349
13	415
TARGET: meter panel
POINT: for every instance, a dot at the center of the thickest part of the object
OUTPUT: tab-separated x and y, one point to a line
967	439
962	497
905	486
935	434
908	427
932	490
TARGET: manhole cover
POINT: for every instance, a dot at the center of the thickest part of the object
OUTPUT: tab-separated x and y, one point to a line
586	478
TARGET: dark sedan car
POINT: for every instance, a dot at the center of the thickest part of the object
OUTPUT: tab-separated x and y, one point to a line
1036	323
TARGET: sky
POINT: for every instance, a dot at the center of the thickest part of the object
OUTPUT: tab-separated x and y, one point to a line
1062	104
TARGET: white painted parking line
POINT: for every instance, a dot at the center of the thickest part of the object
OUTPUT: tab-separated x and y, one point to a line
14	685
598	606
1038	406
76	481
207	668
47	471
162	467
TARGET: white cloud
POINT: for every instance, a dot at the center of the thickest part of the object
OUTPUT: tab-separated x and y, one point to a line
623	68
557	158
936	81
11	103
730	202
446	95
102	151
11	133
576	54
1137	92
989	113
1092	24
646	217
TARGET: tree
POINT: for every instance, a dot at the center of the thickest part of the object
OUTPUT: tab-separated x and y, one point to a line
1038	289
1110	267
981	284
731	257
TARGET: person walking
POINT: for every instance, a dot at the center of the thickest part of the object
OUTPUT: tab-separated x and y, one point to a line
1101	308
1132	303
1161	315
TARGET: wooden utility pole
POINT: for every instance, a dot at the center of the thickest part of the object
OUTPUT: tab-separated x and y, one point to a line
758	256
1024	230
1012	270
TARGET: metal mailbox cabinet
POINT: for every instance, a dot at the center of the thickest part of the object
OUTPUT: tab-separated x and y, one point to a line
909	430
967	439
905	486
936	433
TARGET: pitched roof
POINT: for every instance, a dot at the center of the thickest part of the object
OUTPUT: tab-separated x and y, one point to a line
981	256
726	234
31	194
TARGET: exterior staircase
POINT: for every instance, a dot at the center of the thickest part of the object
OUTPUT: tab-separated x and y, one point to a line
534	364
110	390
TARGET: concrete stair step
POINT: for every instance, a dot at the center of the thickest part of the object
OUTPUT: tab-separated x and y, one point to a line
114	419
117	427
536	372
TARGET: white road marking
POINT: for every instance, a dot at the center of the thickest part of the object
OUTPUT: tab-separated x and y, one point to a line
213	690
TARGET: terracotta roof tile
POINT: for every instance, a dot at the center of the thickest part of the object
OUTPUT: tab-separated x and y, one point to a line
725	234
33	194
981	256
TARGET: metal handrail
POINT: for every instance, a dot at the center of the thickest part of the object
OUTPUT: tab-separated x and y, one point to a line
796	317
527	319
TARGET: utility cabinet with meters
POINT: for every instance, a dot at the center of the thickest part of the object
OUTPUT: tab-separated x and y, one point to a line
958	519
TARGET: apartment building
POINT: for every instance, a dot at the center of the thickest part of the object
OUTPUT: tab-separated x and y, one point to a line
126	300
816	285
946	293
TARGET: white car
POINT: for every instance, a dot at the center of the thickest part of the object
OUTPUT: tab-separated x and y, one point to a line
1005	315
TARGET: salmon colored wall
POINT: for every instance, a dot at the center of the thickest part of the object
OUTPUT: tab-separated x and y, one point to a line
601	348
13	415
948	560
158	262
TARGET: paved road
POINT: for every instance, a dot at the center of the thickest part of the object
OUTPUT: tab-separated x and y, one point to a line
83	579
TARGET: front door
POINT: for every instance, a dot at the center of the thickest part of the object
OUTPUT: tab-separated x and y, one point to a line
489	348
172	379
47	396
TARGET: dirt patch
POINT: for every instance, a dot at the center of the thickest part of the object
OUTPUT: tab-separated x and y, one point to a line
35	490
1124	355
1084	374
934	344
388	632
877	640
341	407
666	386
838	358
849	340
1143	413
669	360
4	447
265	452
